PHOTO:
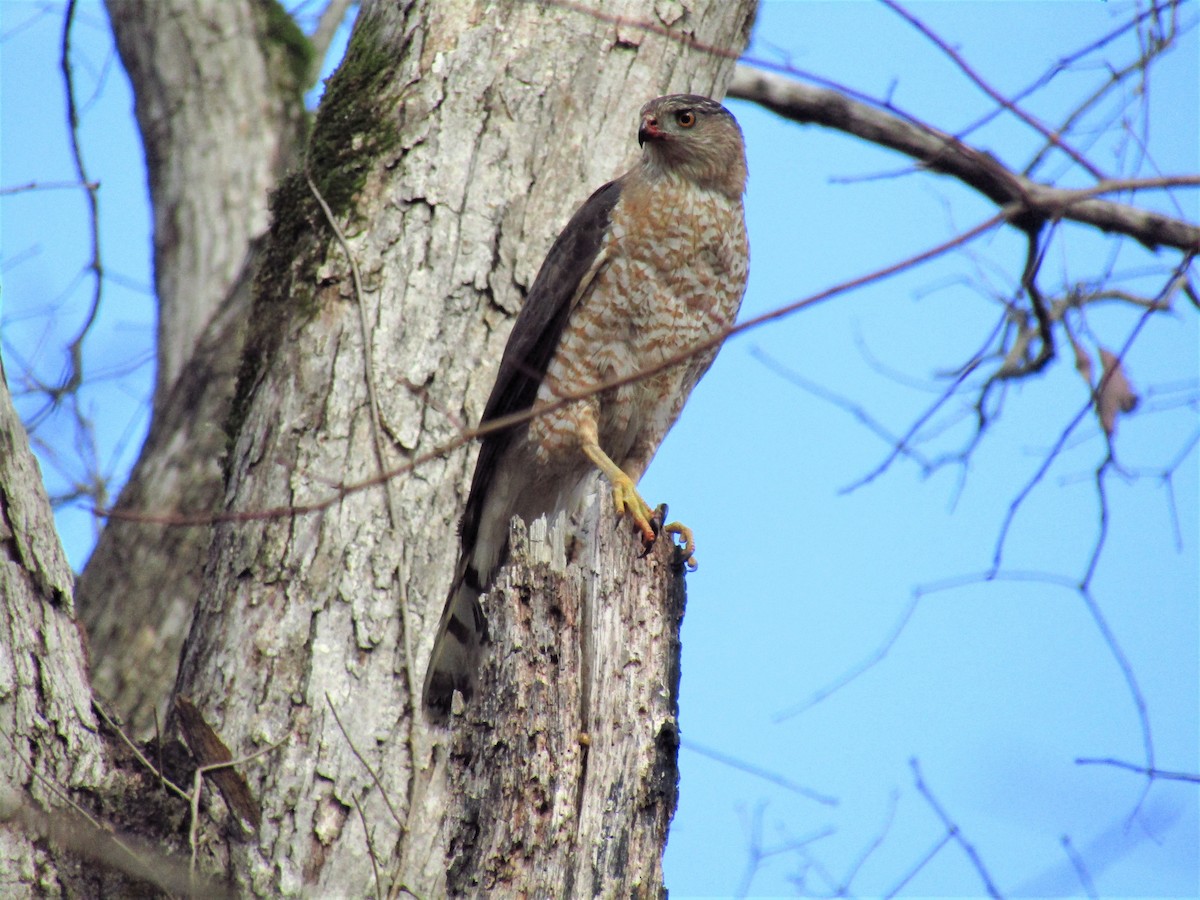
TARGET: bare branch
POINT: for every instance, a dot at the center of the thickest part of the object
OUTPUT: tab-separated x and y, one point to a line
843	403
953	832
77	830
395	516
213	756
322	36
1080	587
141	757
81	834
1149	771
944	153
756	853
362	818
502	423
95	266
1000	99
867	663
680	37
366	765
1071	59
758	772
1077	863
843	889
49	186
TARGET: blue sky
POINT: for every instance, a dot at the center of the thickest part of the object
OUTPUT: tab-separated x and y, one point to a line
995	688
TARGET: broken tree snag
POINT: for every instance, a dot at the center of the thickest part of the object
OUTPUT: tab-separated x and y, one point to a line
584	641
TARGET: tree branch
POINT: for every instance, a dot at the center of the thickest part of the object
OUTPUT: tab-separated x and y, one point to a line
1149	771
1051	136
322	36
944	153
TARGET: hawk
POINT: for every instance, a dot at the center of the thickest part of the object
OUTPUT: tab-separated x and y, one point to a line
652	264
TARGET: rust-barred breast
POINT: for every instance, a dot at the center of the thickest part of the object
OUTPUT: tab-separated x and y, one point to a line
652	265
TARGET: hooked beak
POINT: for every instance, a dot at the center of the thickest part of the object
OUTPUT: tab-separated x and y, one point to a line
649	130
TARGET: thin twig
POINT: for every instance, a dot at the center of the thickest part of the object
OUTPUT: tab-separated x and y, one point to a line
758	772
919	865
1149	772
79	831
843	403
1080	867
998	97
843	889
1063	64
75	347
370	848
876	657
395	516
198	785
952	830
505	422
366	765
166	782
48	186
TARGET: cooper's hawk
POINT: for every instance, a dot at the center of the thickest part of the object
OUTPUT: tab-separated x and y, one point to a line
652	264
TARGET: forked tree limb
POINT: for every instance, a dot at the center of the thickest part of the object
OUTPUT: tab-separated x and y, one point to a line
944	153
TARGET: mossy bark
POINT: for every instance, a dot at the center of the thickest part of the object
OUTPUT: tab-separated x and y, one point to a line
451	146
220	110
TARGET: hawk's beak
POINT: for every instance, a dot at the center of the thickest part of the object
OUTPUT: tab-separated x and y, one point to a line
649	130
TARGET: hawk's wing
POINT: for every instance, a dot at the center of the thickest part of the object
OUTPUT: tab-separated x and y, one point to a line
569	267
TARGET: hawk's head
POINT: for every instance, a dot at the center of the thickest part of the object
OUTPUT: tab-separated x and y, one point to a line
695	138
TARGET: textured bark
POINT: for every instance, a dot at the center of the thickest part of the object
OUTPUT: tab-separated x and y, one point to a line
49	745
566	770
452	144
221	115
217	88
79	815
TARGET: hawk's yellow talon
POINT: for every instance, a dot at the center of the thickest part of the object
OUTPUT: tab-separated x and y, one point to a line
628	502
687	549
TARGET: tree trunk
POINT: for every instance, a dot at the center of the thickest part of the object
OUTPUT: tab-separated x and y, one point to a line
219	103
50	748
218	86
564	774
450	147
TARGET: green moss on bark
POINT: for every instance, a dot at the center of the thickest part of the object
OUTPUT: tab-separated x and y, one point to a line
352	131
350	136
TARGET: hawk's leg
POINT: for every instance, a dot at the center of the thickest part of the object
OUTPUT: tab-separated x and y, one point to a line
626	499
628	502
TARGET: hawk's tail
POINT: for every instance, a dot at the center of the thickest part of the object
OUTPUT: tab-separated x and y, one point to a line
454	662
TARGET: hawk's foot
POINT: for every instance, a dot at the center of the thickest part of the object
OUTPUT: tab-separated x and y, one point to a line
628	502
682	539
685	548
656	525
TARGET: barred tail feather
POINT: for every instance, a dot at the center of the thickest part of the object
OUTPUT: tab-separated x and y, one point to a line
454	662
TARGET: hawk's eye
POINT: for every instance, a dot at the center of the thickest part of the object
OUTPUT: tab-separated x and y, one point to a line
686	118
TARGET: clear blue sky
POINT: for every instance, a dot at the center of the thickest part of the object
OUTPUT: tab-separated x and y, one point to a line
995	688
